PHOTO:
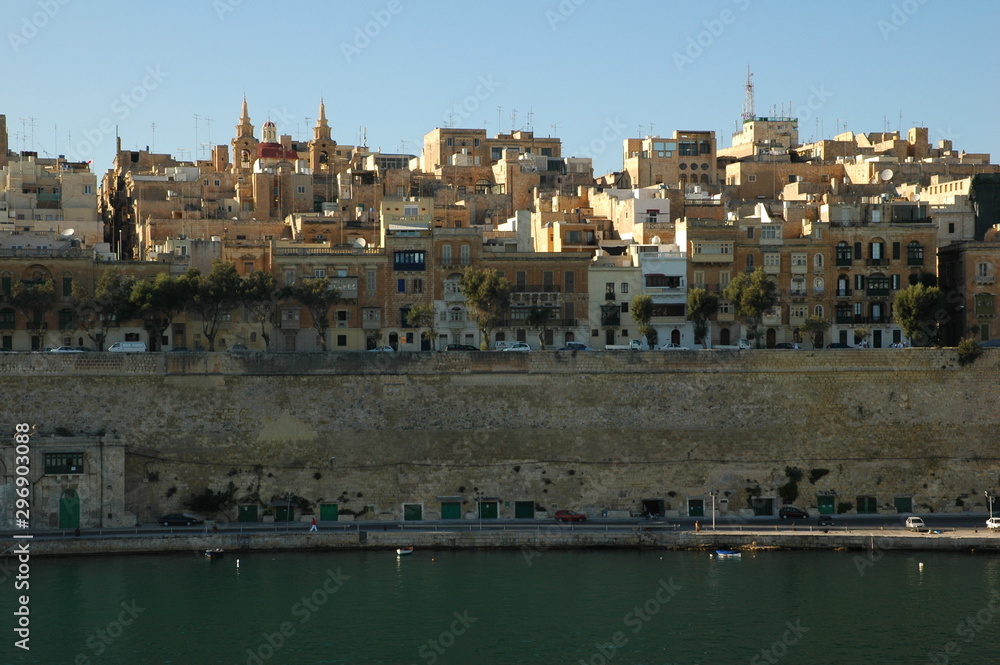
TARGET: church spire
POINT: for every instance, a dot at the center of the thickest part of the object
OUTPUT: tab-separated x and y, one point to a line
322	129
244	128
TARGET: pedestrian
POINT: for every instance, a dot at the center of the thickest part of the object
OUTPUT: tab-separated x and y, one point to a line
314	527
697	527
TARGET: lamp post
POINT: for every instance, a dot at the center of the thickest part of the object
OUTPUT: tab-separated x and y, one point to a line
989	500
713	510
288	514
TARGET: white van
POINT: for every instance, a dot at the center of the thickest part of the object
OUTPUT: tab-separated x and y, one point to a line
127	347
915	523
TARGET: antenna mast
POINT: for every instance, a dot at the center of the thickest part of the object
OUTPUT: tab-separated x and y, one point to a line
748	111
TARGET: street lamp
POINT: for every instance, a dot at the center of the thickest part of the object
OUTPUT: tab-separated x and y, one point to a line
713	510
989	500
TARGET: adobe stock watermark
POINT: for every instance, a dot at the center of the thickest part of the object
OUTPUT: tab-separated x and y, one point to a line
816	100
899	17
371	30
635	620
303	610
968	629
697	45
436	647
779	648
562	12
102	638
613	130
223	7
471	103
121	108
31	25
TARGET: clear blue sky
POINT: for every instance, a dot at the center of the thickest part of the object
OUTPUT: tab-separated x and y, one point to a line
595	69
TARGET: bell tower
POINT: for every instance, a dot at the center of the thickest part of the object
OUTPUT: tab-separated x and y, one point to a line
244	145
322	148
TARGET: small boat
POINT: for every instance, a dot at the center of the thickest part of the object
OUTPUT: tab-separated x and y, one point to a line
400	551
217	553
727	554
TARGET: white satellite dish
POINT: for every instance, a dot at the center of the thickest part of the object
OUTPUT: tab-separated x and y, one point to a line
360	243
655	240
68	233
886	175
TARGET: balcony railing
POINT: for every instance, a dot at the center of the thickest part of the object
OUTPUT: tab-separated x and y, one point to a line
858	319
877	262
985	279
877	291
455	261
843	262
844	293
536	288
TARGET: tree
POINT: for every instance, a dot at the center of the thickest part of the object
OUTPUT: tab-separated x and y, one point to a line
157	302
814	326
701	306
215	296
539	317
752	295
317	296
641	310
488	297
108	304
260	297
916	310
423	316
34	300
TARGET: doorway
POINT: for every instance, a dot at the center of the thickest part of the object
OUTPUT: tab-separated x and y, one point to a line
69	510
653	507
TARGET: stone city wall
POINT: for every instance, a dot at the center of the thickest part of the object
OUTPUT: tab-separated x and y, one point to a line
591	431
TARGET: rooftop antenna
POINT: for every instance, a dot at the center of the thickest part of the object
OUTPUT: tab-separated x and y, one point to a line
402	146
651	125
208	121
531	117
555	129
196	118
152	145
513	119
748	110
499	119
640	130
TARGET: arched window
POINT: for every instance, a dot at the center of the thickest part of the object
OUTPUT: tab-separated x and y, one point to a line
818	261
245	159
704	178
749	261
818	311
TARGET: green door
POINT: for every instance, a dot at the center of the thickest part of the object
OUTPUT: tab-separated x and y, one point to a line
524	510
696	507
283	513
413	512
489	510
69	510
329	512
247	513
867	505
451	510
904	504
825	504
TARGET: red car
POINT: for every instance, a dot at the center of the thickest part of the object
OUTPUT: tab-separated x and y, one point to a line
570	516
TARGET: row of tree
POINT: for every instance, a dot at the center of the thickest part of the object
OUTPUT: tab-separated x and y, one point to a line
116	298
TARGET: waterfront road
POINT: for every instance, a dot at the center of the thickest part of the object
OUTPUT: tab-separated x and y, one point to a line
938	522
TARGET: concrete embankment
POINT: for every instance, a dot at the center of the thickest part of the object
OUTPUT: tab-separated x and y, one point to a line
527	540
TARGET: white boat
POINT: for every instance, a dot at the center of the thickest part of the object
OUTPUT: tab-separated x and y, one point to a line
400	551
727	554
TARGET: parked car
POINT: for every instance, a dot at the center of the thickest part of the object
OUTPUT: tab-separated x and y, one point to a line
65	349
517	346
576	346
239	348
786	345
837	345
672	346
993	523
382	349
460	347
915	523
570	516
792	513
128	347
178	519
825	520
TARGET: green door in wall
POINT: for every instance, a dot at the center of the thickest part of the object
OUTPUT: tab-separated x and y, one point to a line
904	504
867	505
69	510
696	507
825	504
524	510
413	512
451	510
329	512
247	513
489	510
283	513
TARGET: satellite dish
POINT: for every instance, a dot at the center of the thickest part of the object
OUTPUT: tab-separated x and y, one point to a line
655	240
886	175
68	233
360	243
